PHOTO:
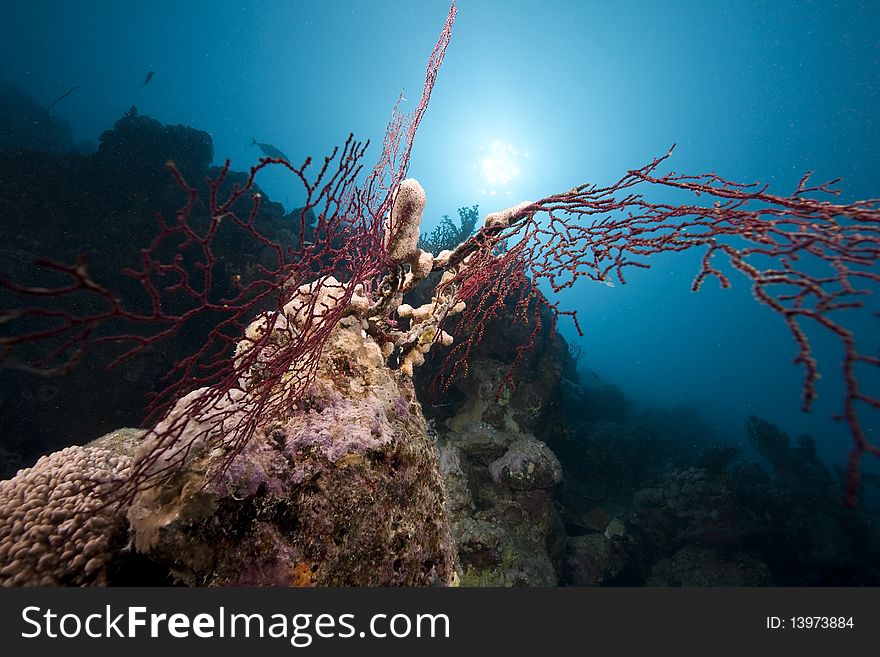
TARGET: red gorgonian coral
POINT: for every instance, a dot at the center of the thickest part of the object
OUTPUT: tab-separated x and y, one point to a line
354	265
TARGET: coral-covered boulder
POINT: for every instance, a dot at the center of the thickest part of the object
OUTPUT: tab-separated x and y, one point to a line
528	464
347	492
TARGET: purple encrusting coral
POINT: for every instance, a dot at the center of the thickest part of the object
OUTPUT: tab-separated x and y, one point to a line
401	407
339	429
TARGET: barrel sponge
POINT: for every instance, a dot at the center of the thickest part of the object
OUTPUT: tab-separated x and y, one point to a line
402	227
56	527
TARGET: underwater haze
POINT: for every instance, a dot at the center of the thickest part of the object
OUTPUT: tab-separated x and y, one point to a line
533	98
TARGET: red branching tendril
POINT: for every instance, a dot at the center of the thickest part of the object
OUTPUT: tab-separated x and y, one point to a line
588	232
391	168
179	265
598	232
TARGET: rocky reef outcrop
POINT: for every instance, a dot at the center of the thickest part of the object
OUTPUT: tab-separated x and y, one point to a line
500	491
347	493
501	478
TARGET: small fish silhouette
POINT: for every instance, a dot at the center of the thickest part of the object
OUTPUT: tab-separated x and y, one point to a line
270	150
148	78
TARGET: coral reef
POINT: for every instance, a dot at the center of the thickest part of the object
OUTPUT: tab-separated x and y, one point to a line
740	522
287	446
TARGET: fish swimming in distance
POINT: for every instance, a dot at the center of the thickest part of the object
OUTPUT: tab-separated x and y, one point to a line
270	150
149	77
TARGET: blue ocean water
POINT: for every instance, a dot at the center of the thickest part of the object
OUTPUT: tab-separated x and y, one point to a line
550	94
